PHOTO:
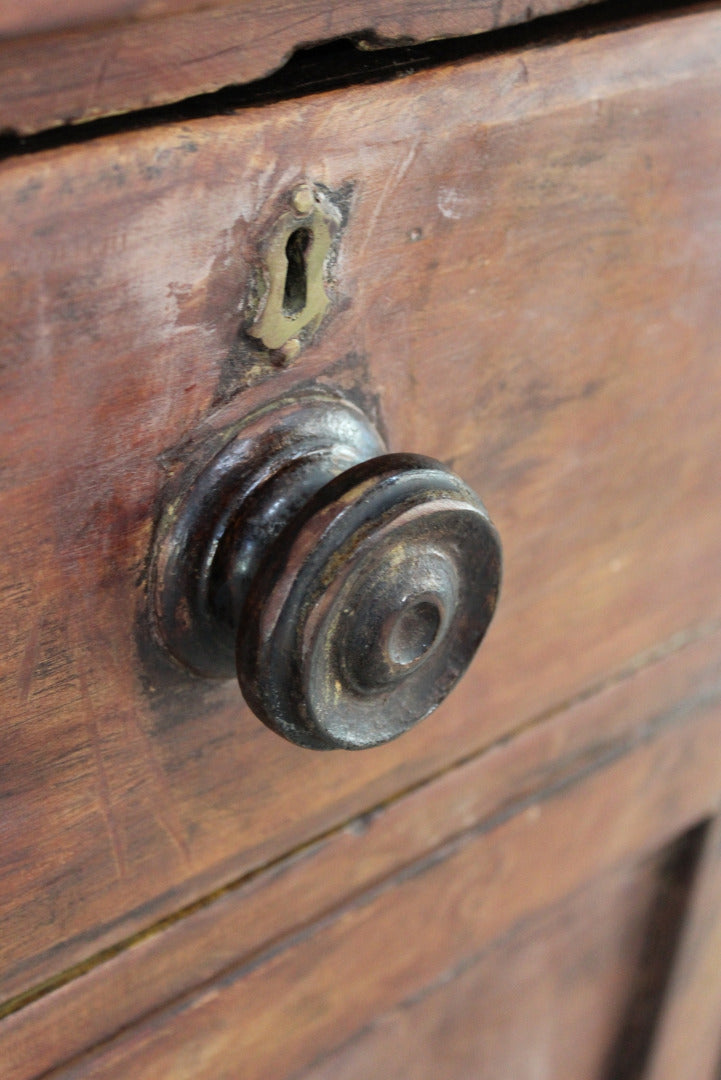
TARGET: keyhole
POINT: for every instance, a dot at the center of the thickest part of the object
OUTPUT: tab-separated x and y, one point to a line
288	290
295	293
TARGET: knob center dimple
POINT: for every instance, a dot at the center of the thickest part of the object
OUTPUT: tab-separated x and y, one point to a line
413	632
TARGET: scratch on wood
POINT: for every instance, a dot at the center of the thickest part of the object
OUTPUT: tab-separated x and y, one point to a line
173	833
497	13
103	787
240	47
29	662
395	177
156	775
102	70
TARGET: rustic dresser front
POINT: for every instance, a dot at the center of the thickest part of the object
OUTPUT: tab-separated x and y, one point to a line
516	215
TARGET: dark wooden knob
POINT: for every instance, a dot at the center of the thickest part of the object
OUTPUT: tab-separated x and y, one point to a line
348	587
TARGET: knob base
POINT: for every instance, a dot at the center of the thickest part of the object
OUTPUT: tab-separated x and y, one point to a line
220	521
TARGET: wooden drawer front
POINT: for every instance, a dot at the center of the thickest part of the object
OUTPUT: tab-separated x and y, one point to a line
405	910
528	289
118	55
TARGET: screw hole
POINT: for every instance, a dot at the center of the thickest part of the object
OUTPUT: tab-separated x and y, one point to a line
295	293
414	631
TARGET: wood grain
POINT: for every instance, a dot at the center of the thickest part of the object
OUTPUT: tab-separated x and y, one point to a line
271	907
151	59
37	15
545	1000
527	289
423	925
688	1041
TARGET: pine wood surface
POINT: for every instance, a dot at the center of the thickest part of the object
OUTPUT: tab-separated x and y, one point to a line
541	226
113	56
571	291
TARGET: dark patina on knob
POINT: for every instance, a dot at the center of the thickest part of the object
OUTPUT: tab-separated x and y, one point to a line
348	588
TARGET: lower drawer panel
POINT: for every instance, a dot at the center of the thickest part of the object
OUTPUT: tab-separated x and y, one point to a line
571	993
427	890
527	289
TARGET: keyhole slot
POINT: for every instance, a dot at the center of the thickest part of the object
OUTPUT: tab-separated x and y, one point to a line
295	292
289	296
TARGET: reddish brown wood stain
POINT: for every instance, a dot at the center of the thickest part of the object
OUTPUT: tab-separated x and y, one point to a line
390	944
580	407
36	15
298	892
546	999
105	63
528	290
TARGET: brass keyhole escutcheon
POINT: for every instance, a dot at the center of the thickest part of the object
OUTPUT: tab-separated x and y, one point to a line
290	286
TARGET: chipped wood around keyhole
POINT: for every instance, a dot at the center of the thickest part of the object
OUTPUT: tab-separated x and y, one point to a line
290	287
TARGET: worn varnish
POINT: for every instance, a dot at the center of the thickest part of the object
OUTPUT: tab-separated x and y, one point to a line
549	757
564	200
424	924
37	15
117	55
547	999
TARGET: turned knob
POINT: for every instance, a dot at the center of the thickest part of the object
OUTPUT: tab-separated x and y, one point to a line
348	588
